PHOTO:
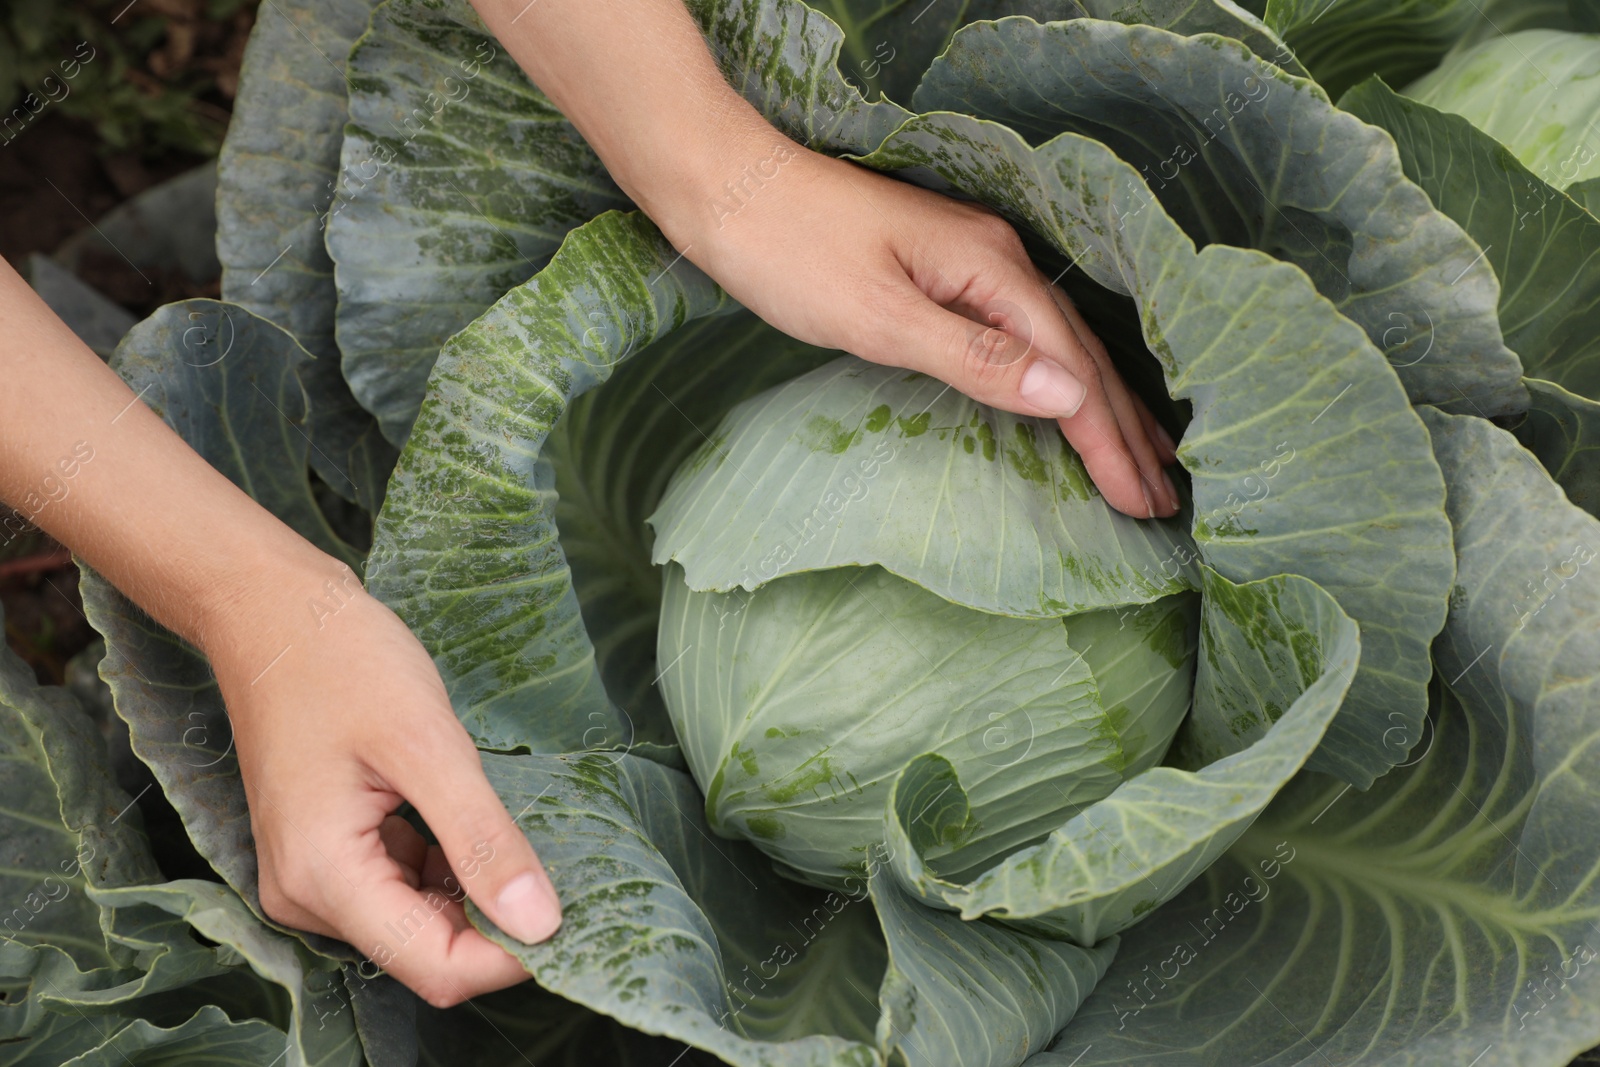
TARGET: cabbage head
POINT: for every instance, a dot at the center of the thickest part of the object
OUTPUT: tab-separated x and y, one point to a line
798	701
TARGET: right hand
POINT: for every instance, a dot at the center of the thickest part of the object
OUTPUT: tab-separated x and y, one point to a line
352	720
840	256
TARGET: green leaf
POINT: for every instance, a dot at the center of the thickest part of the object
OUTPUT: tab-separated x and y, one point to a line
68	827
1305	454
1447	914
798	705
657	933
208	1038
1497	18
1536	92
460	179
274	184
1345	41
161	956
1563	430
638	871
322	1029
1192	19
888	44
1544	247
1241	153
974	993
1586	193
456	181
989	509
1112	863
225	379
613	452
385	1017
522	670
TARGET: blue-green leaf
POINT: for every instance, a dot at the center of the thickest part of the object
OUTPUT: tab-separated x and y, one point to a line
1241	153
1544	247
1121	857
1536	92
1305	454
860	464
275	184
1449	914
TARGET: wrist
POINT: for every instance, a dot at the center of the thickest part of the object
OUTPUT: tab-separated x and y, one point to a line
281	596
710	177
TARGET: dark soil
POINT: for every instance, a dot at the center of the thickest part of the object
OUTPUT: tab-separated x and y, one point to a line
56	177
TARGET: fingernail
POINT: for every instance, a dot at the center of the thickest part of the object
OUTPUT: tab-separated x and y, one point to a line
1149	505
1051	388
527	908
1172	490
1166	438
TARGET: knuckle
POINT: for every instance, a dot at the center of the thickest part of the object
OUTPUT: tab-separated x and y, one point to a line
438	994
994	230
277	904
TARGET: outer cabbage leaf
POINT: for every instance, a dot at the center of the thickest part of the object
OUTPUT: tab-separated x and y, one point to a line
1277	654
1241	153
798	980
1564	432
1305	454
385	1015
1447	915
888	44
985	508
68	827
521	669
274	183
1345	41
208	1037
322	1027
460	179
1537	92
960	992
1497	18
232	394
1544	247
613	452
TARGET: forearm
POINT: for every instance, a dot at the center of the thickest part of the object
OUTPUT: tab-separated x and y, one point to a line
86	461
637	80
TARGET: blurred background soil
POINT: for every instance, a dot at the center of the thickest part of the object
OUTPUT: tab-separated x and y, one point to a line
99	102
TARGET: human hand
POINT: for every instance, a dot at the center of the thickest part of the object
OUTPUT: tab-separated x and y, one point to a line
350	720
843	257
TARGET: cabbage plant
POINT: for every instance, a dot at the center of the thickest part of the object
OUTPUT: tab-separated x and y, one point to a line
850	723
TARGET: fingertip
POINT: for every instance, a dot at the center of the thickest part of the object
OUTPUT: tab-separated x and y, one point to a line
1164	443
527	908
1052	388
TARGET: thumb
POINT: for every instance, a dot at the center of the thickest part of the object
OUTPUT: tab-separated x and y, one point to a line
1002	361
487	852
